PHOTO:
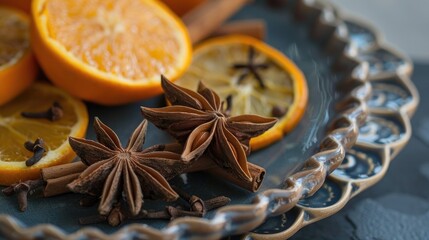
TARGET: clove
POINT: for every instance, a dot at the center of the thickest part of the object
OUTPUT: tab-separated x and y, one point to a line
116	216
200	206
153	215
30	145
21	190
176	213
38	150
228	101
251	68
169	213
278	112
53	113
217	202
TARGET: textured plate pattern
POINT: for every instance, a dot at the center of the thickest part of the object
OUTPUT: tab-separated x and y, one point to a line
307	197
387	129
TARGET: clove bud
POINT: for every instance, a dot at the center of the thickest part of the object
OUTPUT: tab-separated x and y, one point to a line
22	189
38	150
53	113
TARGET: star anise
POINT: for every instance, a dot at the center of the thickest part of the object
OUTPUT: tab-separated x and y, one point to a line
251	68
129	173
198	120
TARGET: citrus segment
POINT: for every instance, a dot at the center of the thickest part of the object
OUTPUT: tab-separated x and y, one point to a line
17	66
232	65
107	51
16	130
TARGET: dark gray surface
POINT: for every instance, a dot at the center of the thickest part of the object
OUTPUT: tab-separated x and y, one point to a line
398	206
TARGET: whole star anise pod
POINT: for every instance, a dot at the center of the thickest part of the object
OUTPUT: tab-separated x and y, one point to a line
198	120
129	173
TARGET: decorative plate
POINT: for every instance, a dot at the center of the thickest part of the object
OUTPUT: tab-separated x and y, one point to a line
343	60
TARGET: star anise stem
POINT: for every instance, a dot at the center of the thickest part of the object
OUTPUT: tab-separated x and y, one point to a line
251	68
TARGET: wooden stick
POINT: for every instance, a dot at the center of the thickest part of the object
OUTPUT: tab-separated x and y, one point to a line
254	28
209	16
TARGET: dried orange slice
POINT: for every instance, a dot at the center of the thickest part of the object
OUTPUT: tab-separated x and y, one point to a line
17	65
259	79
16	130
107	51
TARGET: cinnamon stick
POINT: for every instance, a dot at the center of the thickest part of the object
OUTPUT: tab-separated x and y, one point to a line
58	177
209	16
62	170
253	185
254	28
57	186
257	173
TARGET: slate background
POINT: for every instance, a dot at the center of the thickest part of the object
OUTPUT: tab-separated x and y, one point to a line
398	206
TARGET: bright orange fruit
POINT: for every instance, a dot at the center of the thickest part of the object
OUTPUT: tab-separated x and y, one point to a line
17	65
107	51
283	93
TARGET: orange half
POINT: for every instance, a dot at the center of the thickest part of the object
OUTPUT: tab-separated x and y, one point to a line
18	68
107	51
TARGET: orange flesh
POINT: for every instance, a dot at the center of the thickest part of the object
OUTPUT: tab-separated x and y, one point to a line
15	129
127	38
213	66
285	85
